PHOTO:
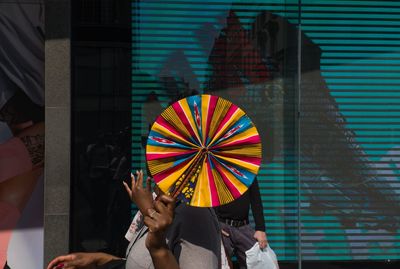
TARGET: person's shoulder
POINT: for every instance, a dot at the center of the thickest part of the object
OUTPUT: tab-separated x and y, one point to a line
195	236
189	219
195	222
195	215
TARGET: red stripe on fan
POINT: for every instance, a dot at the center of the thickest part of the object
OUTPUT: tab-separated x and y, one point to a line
232	188
211	184
210	113
157	156
232	109
162	175
183	117
255	139
252	160
170	128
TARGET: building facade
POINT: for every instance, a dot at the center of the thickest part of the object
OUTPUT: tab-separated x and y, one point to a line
318	78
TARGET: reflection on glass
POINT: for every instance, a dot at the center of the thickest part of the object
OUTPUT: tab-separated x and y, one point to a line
346	146
249	58
101	210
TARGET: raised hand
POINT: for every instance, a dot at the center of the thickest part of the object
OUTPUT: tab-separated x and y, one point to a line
158	219
141	196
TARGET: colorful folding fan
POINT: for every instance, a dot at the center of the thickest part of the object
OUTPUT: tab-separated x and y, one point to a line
203	150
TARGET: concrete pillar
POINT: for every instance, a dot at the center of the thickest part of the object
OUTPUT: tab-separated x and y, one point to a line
58	128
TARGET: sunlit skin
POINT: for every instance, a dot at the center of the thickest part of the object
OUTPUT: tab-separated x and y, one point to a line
158	216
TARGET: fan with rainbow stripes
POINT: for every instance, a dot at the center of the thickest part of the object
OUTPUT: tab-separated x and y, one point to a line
203	150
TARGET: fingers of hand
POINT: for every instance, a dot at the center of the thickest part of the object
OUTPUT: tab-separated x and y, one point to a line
128	190
160	207
60	262
262	240
168	201
54	263
225	233
157	220
139	181
152	213
148	183
133	180
151	224
64	266
71	261
70	266
165	213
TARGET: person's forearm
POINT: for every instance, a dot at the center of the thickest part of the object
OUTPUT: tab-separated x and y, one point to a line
256	206
103	258
163	259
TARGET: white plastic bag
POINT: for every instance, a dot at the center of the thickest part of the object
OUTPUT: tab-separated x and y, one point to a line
257	258
224	259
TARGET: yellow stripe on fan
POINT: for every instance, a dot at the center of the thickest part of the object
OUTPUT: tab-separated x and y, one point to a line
169	180
165	132
185	107
202	196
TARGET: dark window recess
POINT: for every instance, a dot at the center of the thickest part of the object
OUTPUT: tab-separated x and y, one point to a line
101	133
